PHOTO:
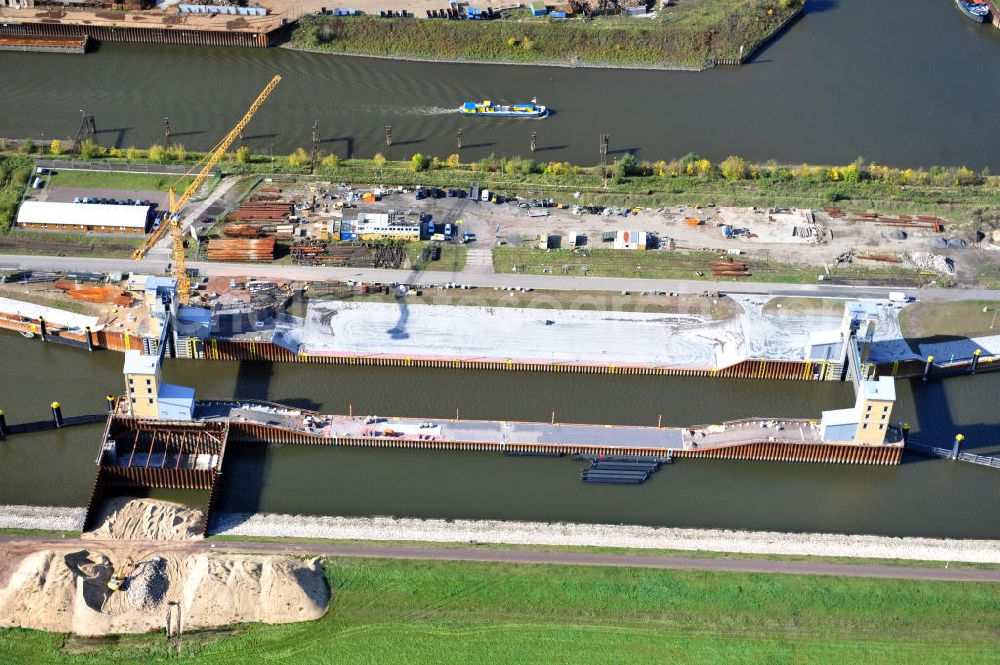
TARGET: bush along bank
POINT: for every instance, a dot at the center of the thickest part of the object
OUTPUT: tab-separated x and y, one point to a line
955	192
686	41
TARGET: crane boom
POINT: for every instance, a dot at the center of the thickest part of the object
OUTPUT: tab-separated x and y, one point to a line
175	204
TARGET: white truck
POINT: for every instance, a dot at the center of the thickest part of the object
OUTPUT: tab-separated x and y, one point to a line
898	296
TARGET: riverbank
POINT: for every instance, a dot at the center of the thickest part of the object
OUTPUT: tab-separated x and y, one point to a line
605	535
955	192
682	37
523	533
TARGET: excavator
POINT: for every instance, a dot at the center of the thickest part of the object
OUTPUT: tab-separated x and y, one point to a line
201	171
121	574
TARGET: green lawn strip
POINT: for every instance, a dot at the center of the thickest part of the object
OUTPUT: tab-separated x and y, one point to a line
122	181
964	318
386	611
452	256
990	276
796	306
40	533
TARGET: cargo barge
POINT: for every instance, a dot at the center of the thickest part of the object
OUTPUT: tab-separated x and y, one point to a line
489	109
45	43
975	10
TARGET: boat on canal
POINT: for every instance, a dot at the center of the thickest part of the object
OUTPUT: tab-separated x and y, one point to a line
488	108
977	10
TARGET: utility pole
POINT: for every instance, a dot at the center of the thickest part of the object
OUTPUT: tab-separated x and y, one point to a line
605	140
534	141
459	136
166	132
388	135
315	146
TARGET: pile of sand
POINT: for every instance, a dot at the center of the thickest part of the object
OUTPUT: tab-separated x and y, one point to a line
66	591
146	519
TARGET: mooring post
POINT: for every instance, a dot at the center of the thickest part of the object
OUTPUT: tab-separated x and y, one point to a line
90	343
57	417
111	402
3	425
959	438
975	359
927	366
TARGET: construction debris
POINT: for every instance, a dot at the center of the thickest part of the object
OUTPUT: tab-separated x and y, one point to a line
936	262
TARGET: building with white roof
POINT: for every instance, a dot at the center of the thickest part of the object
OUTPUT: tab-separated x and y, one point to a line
96	217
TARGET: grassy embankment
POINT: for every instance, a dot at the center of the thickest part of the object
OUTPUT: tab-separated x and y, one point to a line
677	265
386	611
688	35
965	318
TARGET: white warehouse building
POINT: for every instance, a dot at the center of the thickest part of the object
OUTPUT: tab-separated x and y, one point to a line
96	217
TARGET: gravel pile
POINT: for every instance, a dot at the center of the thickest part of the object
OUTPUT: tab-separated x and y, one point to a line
50	518
608	535
148	584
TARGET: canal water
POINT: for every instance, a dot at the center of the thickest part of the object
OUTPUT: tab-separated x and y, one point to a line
852	77
920	497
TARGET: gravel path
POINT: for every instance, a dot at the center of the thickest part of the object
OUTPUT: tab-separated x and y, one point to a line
607	535
49	518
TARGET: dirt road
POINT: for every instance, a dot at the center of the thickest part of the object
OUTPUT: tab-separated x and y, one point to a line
15	547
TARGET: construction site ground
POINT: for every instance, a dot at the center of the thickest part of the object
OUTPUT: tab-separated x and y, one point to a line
790	237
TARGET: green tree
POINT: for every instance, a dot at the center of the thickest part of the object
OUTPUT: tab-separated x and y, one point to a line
133	154
156	153
299	158
331	161
419	162
89	149
625	166
28	147
56	147
243	155
379	160
454	161
178	152
735	168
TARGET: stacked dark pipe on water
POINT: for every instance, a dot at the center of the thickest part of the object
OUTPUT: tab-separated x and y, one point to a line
620	470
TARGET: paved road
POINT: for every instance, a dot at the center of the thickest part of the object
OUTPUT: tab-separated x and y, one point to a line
21	545
157	263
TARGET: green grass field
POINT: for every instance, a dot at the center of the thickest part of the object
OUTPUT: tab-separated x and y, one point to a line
452	257
468	612
123	181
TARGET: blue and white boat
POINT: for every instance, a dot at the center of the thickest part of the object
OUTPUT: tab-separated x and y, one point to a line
977	10
488	108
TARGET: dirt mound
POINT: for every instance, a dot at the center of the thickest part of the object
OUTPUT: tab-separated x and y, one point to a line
68	592
147	519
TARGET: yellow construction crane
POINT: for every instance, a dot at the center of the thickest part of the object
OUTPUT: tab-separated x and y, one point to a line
203	168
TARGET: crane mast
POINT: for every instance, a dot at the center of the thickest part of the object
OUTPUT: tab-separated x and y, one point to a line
176	204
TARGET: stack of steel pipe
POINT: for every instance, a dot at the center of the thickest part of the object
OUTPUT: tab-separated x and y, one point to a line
238	249
619	473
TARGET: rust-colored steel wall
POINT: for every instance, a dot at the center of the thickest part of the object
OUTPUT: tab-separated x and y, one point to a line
148	35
